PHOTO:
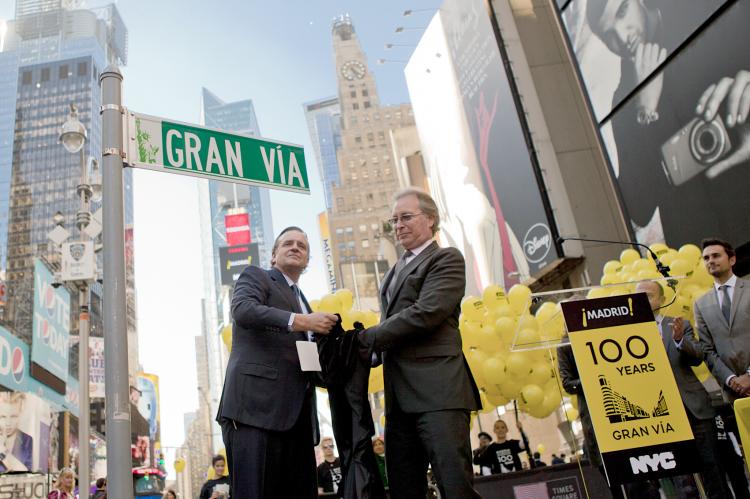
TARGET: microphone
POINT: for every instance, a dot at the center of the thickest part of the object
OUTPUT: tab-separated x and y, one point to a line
663	269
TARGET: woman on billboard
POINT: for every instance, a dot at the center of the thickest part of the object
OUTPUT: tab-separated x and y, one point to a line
16	447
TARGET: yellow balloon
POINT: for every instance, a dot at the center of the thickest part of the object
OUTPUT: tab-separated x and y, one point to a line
668	257
644	264
470	332
494	370
680	267
510	388
505	328
597	293
345	298
382	420
551	401
659	248
612	267
486	404
571	413
376	380
505	310
330	304
519	297
541	373
226	337
540	448
473	308
370	319
527	338
532	395
517	364
314	305
629	256
347	322
179	465
497	400
528	321
488	341
608	279
494	296
690	253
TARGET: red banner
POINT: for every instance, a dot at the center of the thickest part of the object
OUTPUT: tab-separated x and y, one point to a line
237	229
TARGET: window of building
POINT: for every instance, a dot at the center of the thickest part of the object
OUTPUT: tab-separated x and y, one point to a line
63	72
82	68
365	243
367	104
381	136
339	231
375	160
370	136
342	246
45	74
374	226
376	116
353	120
353	93
351	244
354	176
358	140
363	228
365	174
367	118
370	196
349	230
365	92
340	202
355	106
26	78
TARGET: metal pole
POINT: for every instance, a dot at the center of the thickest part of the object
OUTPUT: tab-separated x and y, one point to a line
84	469
119	472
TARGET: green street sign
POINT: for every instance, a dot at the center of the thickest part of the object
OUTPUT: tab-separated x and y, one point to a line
169	146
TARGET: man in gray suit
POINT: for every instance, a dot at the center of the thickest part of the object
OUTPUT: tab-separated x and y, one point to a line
683	353
723	319
429	389
267	413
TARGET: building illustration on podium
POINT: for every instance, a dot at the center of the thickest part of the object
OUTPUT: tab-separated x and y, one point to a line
619	409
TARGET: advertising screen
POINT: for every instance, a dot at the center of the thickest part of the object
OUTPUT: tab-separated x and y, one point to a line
234	259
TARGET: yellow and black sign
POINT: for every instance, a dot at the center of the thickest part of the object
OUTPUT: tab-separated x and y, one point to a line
636	409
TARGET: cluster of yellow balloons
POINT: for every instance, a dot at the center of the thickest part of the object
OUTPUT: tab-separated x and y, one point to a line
341	302
493	328
693	280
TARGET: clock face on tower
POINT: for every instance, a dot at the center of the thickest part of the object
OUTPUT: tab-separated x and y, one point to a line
353	69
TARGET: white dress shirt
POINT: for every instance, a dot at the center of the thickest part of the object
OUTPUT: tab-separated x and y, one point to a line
416	251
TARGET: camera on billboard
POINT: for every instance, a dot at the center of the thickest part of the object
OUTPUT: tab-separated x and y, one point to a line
697	146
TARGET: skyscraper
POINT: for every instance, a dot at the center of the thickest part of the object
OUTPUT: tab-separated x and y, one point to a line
52	58
324	124
362	200
217	200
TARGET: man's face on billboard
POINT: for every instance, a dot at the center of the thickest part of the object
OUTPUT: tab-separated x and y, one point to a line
9	416
622	26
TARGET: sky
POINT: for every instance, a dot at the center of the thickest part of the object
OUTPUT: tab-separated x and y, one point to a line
277	53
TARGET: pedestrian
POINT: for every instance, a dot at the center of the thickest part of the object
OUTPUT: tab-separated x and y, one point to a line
329	471
63	486
101	489
485	439
169	494
268	411
219	487
378	447
502	455
429	389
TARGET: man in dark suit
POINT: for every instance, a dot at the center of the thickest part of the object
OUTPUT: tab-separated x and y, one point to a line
429	389
683	353
723	319
267	411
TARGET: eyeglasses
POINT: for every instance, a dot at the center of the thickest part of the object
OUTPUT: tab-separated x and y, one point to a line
329	446
405	218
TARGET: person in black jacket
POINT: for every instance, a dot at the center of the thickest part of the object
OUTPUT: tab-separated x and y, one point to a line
219	487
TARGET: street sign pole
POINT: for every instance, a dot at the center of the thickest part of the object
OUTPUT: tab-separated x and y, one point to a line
119	472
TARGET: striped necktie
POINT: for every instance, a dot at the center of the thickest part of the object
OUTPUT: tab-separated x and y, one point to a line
726	302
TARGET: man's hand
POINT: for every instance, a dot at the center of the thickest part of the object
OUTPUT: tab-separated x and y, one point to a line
741	385
678	329
648	56
317	322
734	93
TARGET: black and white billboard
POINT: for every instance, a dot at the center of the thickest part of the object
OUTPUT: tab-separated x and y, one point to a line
234	259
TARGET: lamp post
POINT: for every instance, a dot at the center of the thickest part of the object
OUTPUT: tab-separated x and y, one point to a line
79	268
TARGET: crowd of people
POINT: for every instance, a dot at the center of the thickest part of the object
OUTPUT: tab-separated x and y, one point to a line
267	410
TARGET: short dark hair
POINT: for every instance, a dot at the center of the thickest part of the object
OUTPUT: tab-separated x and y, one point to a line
718	242
101	482
278	238
217	458
426	204
484	434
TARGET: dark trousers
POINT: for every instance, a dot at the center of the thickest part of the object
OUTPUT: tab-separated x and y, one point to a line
266	464
708	452
439	438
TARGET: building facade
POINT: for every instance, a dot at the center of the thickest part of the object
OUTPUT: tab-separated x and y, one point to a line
361	242
324	124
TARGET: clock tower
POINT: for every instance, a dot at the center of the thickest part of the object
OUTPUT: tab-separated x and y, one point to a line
363	198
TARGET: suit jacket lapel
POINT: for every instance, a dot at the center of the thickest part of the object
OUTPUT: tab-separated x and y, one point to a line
285	289
384	288
715	308
737	296
408	269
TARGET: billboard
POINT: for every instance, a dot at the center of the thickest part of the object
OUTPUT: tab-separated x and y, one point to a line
480	171
14	358
50	329
26	422
237	229
96	367
683	176
325	238
234	259
618	45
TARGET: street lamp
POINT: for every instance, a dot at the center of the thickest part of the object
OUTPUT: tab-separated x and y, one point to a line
78	265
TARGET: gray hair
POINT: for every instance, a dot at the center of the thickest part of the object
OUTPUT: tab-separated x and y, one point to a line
426	204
